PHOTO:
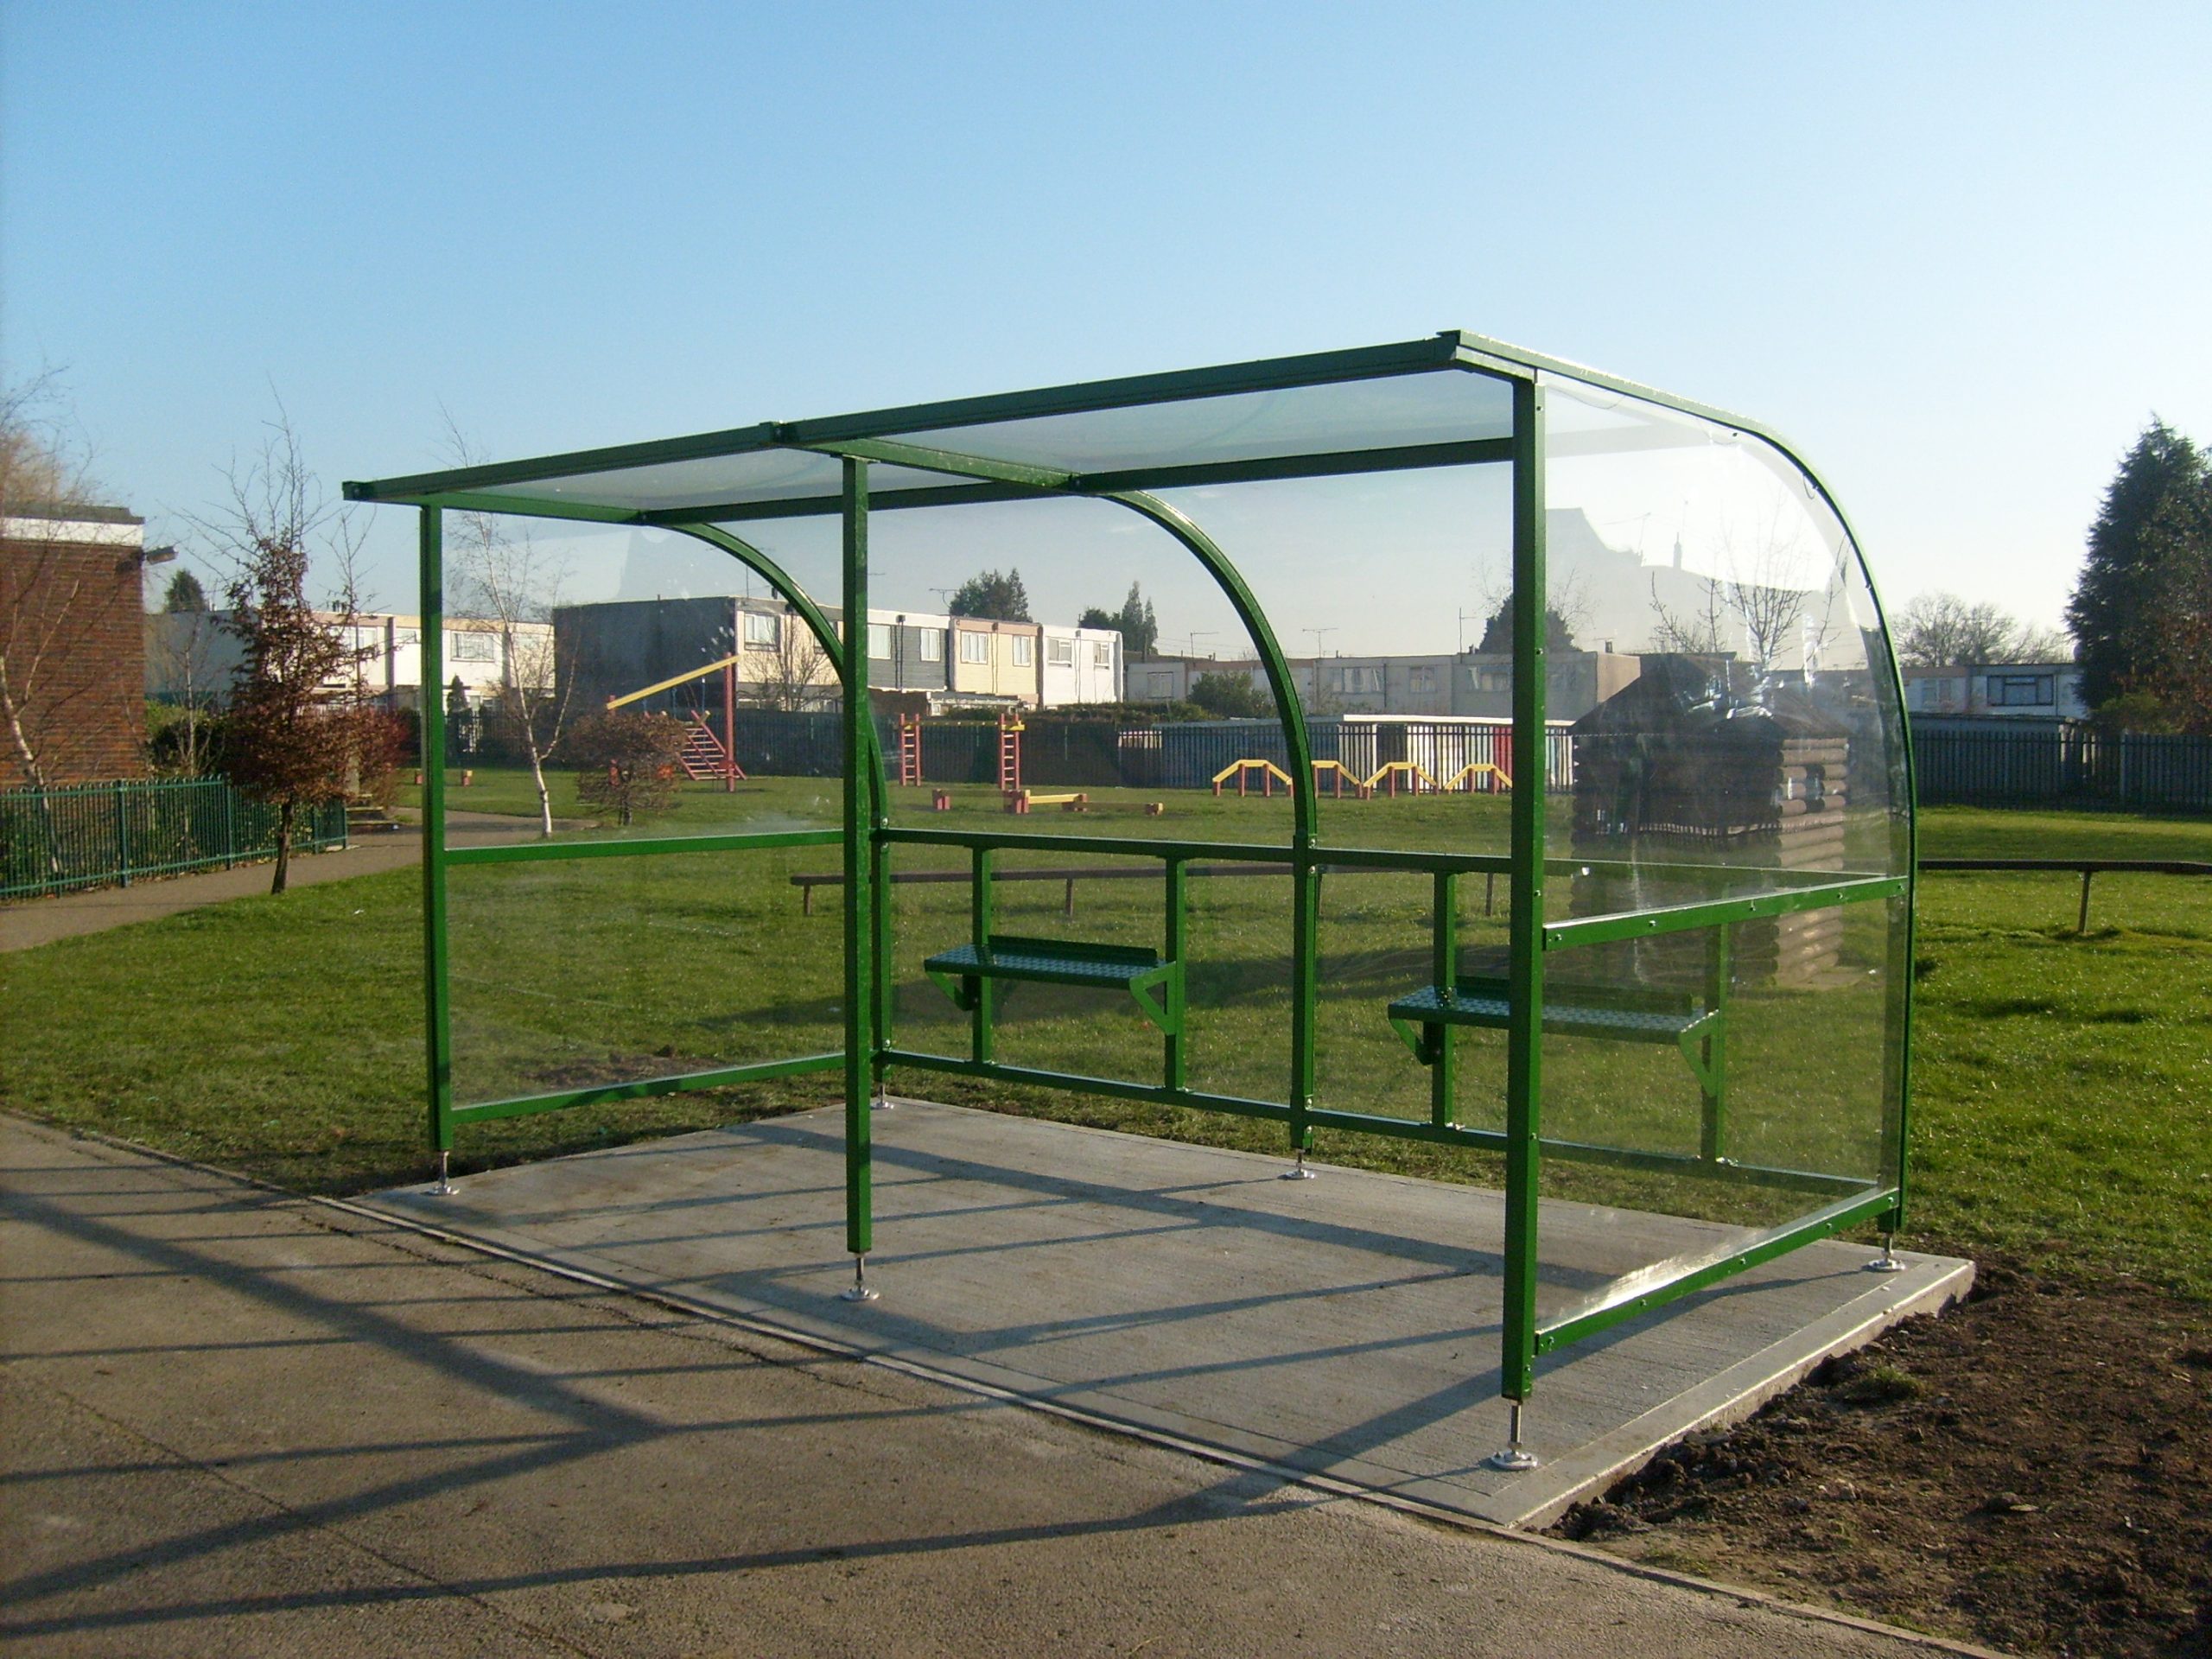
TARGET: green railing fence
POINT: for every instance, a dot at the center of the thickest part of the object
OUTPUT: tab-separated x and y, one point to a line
91	835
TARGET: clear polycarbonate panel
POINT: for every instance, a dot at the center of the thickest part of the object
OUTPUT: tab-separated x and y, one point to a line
574	973
1739	730
1760	1119
1105	739
1390	593
751	478
1444	406
665	689
1738	735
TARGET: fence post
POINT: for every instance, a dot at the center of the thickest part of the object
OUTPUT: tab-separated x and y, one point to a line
230	824
123	832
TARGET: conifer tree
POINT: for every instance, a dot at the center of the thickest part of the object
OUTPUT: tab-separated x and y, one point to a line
2153	507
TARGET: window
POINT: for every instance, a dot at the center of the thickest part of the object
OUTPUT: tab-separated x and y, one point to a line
1421	679
470	647
1356	681
932	645
878	640
2021	691
975	647
1102	654
1160	682
1060	653
761	628
1025	650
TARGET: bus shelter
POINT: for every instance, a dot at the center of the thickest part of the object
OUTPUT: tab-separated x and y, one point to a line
1580	840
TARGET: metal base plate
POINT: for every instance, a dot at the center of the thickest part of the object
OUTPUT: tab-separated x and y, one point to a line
1514	1460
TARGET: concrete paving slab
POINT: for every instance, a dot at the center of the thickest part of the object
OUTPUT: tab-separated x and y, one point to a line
1344	1328
233	1423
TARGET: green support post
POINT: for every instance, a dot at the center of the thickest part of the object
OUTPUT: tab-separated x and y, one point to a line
1712	1048
1172	950
1443	974
437	1006
862	1053
1525	962
979	935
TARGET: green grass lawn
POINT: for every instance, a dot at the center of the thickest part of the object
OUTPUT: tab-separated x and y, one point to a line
2064	1097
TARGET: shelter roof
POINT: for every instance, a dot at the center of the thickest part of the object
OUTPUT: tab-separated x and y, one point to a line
1443	401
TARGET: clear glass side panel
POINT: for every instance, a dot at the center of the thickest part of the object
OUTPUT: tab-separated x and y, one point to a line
577	973
1073	699
1390	594
656	685
1706	1090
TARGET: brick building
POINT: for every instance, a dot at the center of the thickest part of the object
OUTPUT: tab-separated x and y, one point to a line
73	638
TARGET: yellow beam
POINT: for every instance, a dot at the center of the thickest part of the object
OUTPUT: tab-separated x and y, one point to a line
695	674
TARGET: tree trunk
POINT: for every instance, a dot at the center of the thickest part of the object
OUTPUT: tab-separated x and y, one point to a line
284	846
545	794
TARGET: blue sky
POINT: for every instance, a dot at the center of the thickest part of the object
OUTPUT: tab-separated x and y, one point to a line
1959	254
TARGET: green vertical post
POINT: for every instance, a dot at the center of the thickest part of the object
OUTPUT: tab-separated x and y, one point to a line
1173	1065
1712	1138
1525	962
861	1052
1443	974
122	833
979	935
437	1010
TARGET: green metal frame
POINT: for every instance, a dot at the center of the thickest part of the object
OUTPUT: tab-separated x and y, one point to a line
861	442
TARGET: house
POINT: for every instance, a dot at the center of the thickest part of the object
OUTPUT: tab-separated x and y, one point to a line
1080	666
1575	682
72	581
996	661
906	652
617	647
1998	690
192	657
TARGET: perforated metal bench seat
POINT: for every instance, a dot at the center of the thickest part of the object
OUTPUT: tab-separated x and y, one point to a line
1699	1032
1064	962
1469	1006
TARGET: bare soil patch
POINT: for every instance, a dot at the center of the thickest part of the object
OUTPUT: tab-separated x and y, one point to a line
2031	1471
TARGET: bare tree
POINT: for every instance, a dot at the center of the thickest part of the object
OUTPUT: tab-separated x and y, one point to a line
1757	598
1939	630
796	675
1698	629
299	731
509	579
50	592
185	651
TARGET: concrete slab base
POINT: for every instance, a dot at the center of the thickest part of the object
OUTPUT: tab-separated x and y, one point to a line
1344	1328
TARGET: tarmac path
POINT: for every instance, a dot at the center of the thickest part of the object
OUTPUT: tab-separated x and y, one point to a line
32	922
236	1422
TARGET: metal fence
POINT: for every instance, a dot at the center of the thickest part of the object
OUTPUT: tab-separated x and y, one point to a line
1104	755
2061	761
91	835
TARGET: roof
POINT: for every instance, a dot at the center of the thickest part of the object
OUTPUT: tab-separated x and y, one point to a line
1443	401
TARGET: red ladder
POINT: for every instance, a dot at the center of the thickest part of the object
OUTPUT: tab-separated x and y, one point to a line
703	756
910	748
1010	730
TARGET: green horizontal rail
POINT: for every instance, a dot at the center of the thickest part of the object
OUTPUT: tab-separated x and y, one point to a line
1115	1087
1103	846
1712	913
1574	1328
1581	1152
536	852
637	1089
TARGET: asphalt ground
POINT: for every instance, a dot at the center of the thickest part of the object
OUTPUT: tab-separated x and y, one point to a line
233	1422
